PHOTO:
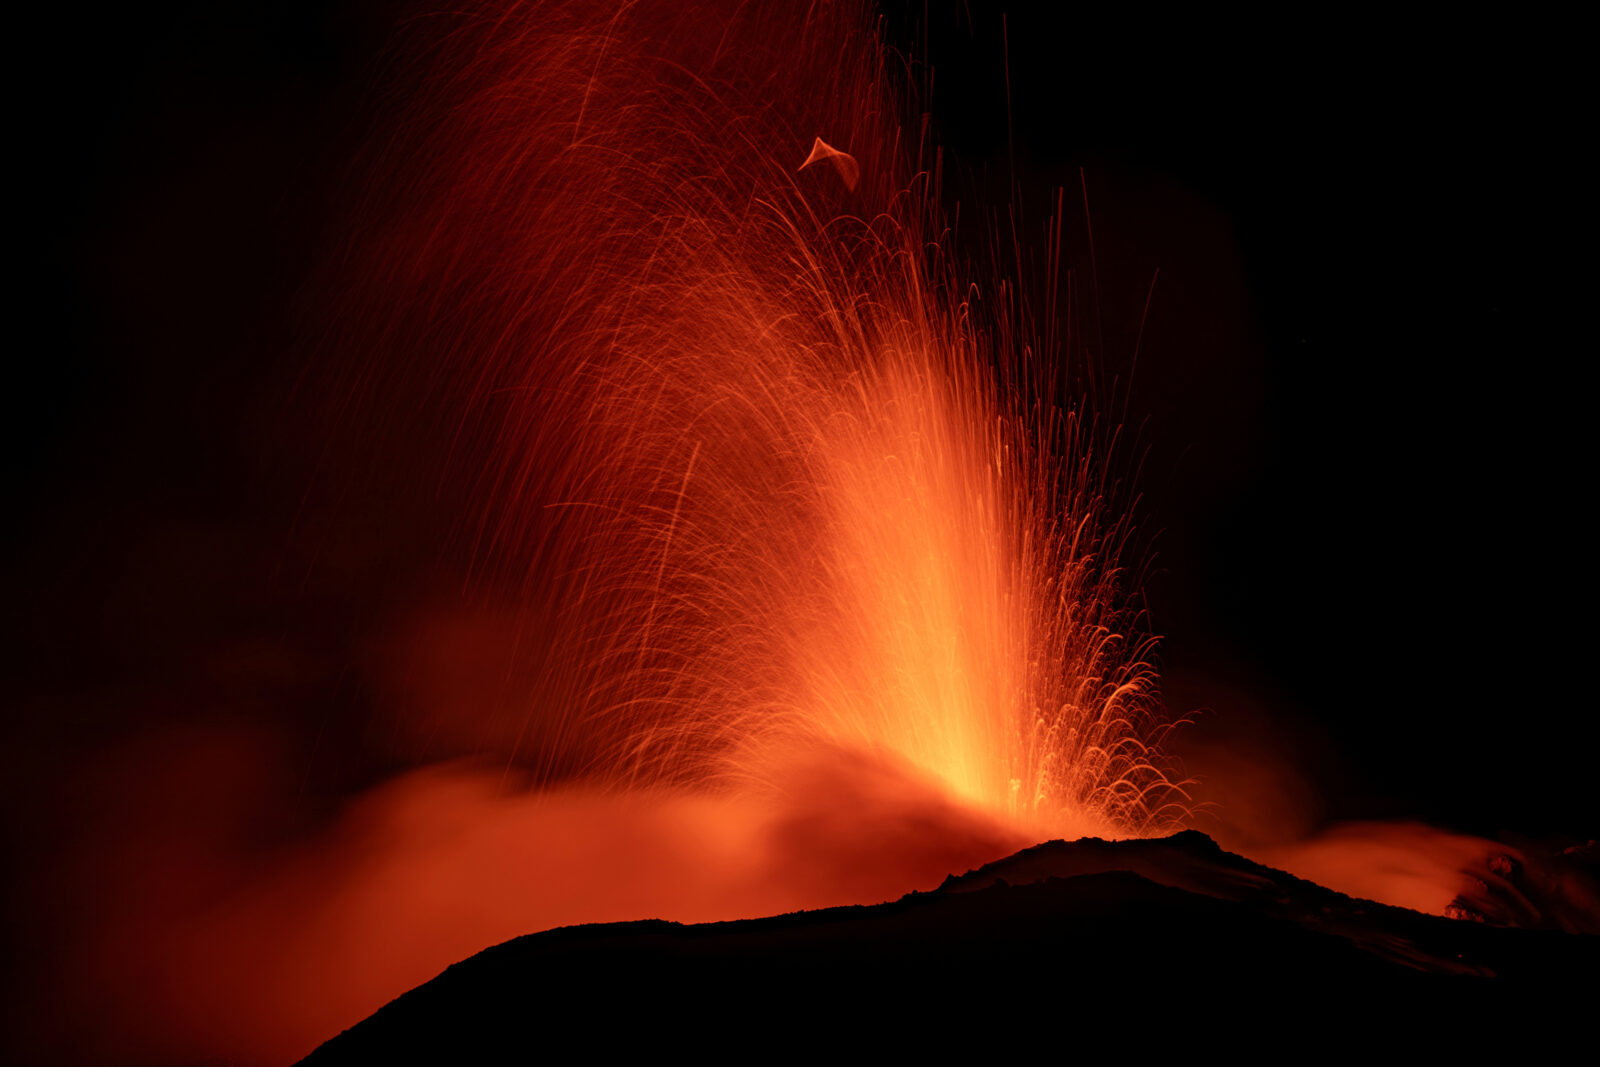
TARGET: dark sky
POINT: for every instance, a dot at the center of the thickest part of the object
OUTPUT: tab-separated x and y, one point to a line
1363	415
1367	442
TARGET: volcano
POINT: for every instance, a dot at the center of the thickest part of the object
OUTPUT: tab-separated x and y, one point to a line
1090	930
559	465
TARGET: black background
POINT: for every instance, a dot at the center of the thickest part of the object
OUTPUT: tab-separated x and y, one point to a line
1367	448
1360	388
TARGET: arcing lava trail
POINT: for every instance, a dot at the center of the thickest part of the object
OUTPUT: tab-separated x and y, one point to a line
763	473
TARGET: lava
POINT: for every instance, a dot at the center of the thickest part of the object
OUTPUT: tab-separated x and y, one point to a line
768	475
803	589
722	544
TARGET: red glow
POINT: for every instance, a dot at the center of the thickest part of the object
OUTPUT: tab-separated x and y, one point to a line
756	475
799	589
285	950
718	544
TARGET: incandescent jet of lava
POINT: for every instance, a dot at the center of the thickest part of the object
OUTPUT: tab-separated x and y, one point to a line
753	455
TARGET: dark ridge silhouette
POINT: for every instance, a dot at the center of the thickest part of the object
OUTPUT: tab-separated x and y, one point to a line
1092	932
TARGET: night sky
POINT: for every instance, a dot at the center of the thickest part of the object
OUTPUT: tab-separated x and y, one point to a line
1358	392
1365	445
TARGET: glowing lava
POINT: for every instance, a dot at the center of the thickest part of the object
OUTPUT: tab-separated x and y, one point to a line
769	477
812	593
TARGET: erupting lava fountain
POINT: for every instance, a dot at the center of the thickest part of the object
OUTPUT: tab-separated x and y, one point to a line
773	480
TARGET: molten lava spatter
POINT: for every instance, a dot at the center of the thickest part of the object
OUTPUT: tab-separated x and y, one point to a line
766	478
806	590
640	509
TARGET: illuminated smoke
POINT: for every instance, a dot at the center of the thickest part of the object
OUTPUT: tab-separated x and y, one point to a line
804	590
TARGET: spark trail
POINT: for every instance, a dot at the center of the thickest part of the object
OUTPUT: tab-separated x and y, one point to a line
773	479
803	590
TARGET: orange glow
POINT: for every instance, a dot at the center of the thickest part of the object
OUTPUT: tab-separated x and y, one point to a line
759	473
812	594
263	958
637	504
